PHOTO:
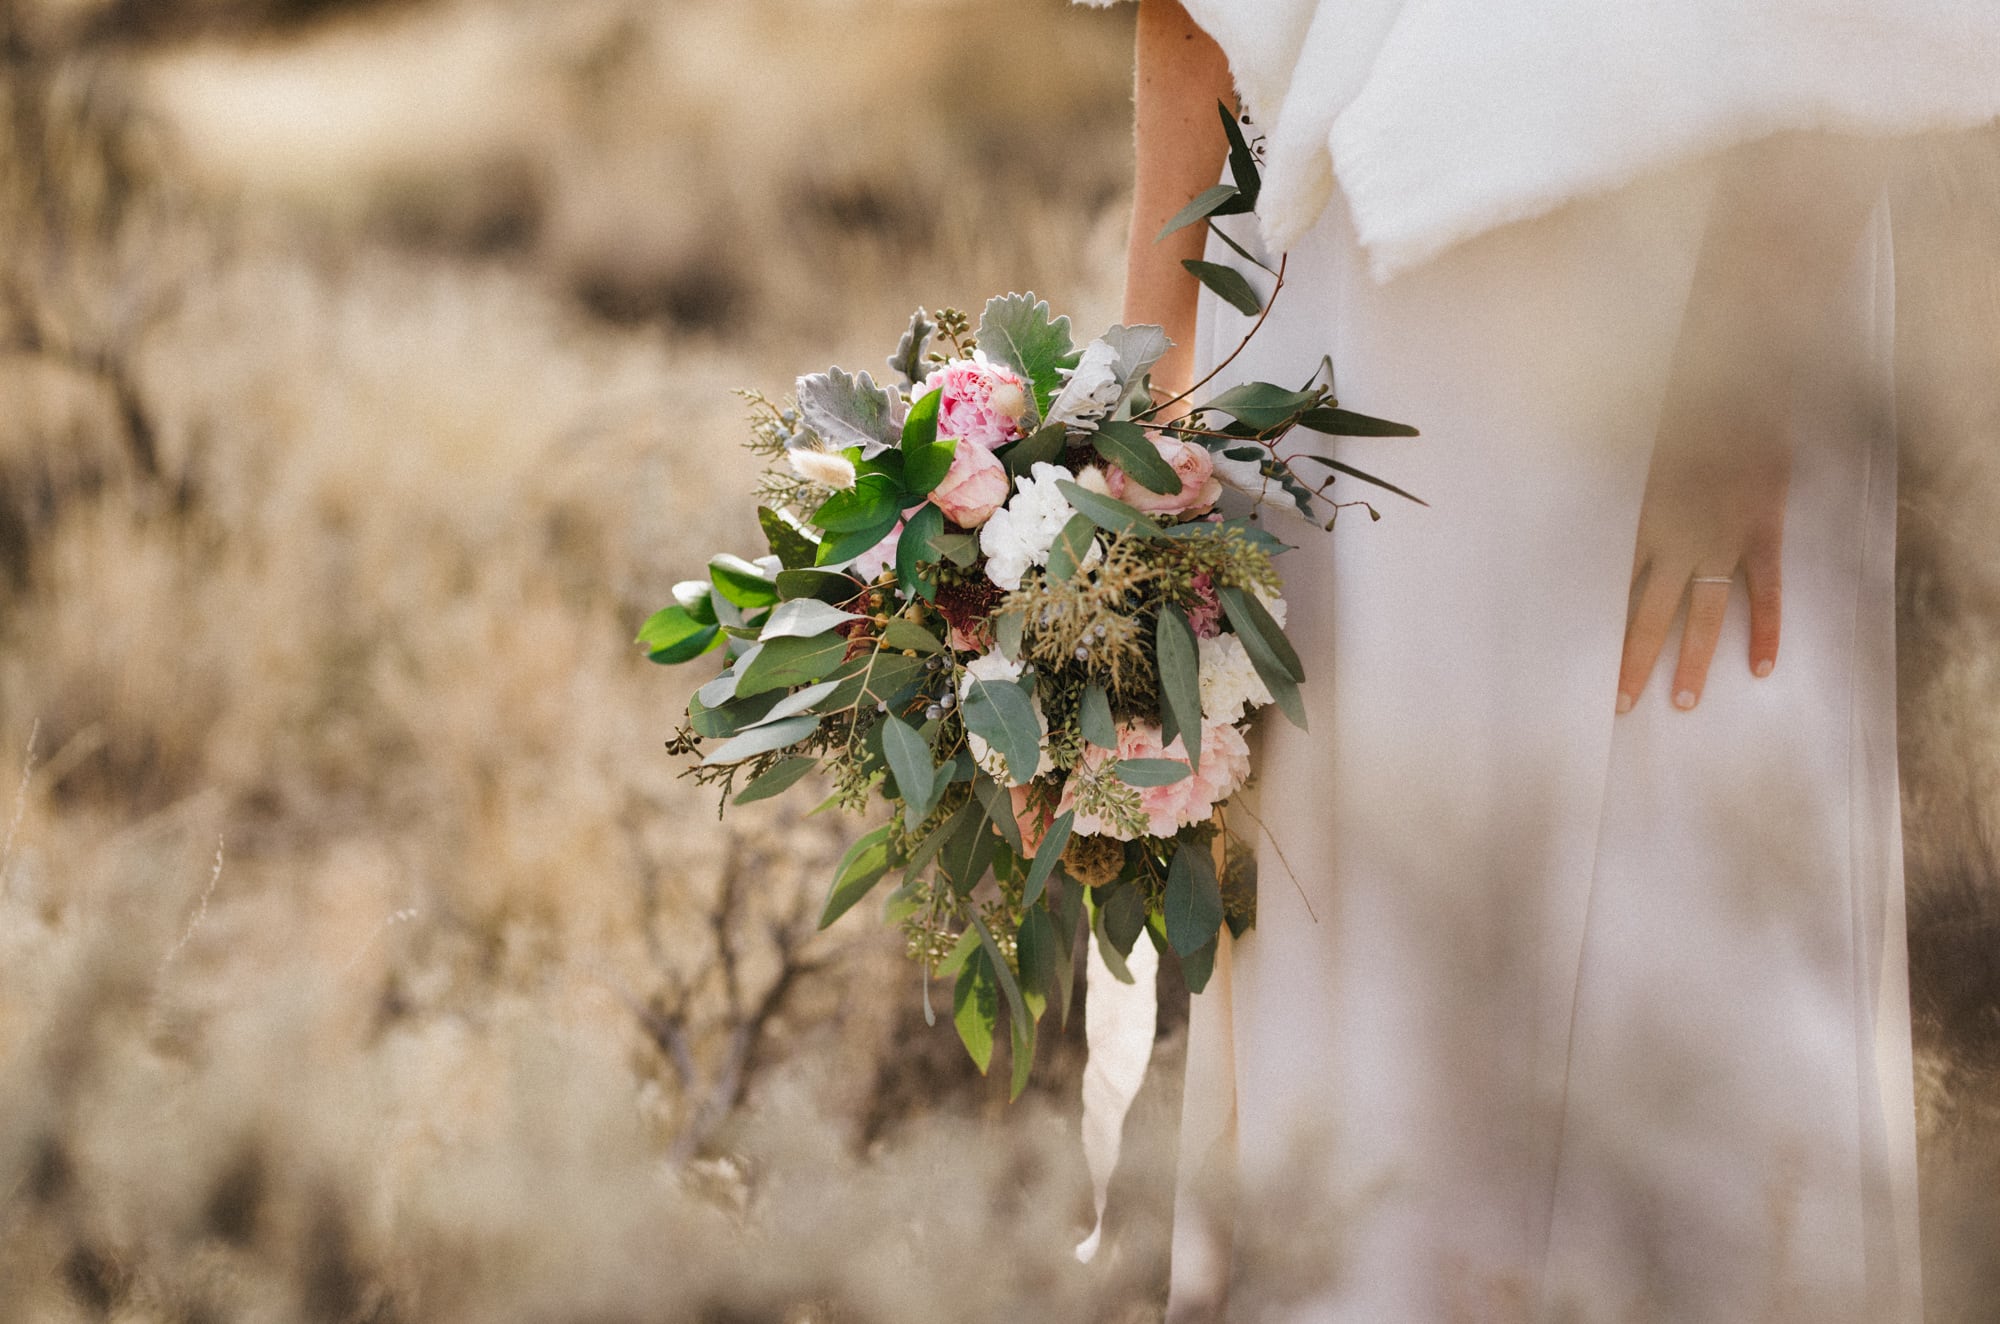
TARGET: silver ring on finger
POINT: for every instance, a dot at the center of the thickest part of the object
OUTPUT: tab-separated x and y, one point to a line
1713	579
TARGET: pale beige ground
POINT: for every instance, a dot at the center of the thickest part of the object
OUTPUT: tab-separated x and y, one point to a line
365	379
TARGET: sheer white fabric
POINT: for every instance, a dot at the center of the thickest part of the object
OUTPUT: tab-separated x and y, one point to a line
1551	1014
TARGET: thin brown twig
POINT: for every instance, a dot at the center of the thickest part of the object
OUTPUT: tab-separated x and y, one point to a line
1214	372
20	807
1280	850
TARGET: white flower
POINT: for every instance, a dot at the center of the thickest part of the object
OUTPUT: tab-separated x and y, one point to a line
1020	533
994	667
1230	685
1273	604
1092	391
827	468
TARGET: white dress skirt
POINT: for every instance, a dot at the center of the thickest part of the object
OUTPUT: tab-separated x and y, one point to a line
1548	1013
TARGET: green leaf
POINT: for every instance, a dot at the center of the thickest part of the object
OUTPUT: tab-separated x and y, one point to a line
1071	547
1095	718
844	547
725	720
1000	713
968	853
861	506
1065	908
850	411
1347	423
1249	616
762	739
1007	628
1114	960
954	961
1193	901
1180	682
1042	967
872	678
1000	809
908	359
1219	200
1271	667
1228	284
775	779
858	872
903	633
787	539
926	466
1242	161
1017	330
1124	913
1046	857
914	548
1198	966
673	635
1126	446
1043	446
961	549
826	585
1022	1025
1353	472
783	663
799	701
1111	515
920	427
909	758
975	1007
1261	405
1153	772
698	596
803	618
741	583
942	834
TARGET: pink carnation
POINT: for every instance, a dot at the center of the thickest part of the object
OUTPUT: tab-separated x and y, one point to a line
1225	766
973	488
1200	488
983	402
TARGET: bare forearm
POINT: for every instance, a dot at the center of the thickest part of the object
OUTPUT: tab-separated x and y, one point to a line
1181	75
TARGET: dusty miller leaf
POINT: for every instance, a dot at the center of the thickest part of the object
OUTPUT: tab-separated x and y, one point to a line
909	356
1017	330
851	411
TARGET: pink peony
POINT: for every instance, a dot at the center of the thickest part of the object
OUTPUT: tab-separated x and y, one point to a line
974	487
1225	766
1200	488
983	401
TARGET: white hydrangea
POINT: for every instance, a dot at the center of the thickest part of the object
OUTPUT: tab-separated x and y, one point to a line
1230	686
994	666
1021	532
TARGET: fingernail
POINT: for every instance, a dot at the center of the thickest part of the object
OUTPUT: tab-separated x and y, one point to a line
1624	702
1684	700
1764	668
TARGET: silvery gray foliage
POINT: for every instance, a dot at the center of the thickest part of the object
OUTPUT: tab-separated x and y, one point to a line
851	411
909	356
1018	330
1108	375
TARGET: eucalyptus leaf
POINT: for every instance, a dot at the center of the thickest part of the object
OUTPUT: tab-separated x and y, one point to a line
859	870
826	585
1001	713
1007	629
975	1007
1128	447
914	548
1107	951
1228	283
1153	772
1247	615
1036	950
1072	547
803	618
725	720
909	758
777	778
877	677
968	853
903	634
943	833
1242	161
1261	405
1021	1025
1017	330
1124	913
787	538
961	549
1352	472
1047	855
1094	718
1199	966
799	701
762	739
1180	682
1109	514
783	663
1193	900
1347	423
1218	200
1043	446
850	411
744	584
1000	809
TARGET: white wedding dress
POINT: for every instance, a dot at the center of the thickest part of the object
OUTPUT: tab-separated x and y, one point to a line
1551	1014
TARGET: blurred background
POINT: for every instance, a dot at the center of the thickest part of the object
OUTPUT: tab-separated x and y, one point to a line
366	374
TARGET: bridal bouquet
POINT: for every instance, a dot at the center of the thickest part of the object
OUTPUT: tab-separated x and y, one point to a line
1000	599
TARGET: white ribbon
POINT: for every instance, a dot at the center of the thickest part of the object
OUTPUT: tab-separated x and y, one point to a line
1119	1022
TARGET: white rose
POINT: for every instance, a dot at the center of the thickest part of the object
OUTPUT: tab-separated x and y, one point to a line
1020	533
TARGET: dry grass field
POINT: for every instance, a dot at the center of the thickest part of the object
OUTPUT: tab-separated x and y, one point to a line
365	378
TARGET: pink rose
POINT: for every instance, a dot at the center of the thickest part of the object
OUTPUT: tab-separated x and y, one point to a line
974	487
1225	766
1200	488
983	402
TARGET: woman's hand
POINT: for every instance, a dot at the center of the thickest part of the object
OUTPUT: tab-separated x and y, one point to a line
1714	508
1787	215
